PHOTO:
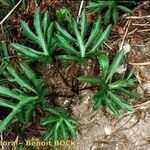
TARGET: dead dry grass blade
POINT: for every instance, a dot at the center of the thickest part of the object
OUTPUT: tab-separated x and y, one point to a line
140	64
3	20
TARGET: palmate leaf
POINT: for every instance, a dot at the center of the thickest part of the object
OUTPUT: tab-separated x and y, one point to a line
8	93
97	6
53	111
123	83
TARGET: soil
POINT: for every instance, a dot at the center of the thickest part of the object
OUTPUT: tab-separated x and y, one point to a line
101	130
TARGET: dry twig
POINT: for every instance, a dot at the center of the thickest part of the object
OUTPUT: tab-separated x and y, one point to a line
80	10
10	12
138	17
127	28
140	64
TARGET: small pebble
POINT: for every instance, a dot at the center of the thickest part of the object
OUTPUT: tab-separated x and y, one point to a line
121	69
127	48
107	130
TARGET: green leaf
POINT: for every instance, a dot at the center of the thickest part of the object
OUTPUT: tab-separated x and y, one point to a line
58	124
128	93
111	106
49	34
5	50
98	98
115	15
101	40
83	24
97	6
38	28
119	102
29	52
8	93
48	133
107	16
63	131
4	2
104	63
48	121
67	58
90	79
73	121
53	111
71	129
6	122
131	72
29	73
95	31
79	39
6	103
17	78
46	21
27	31
125	9
64	32
116	62
66	45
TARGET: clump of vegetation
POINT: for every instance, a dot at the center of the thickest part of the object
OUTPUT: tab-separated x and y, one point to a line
27	91
22	90
43	38
60	125
107	89
78	45
62	14
110	9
